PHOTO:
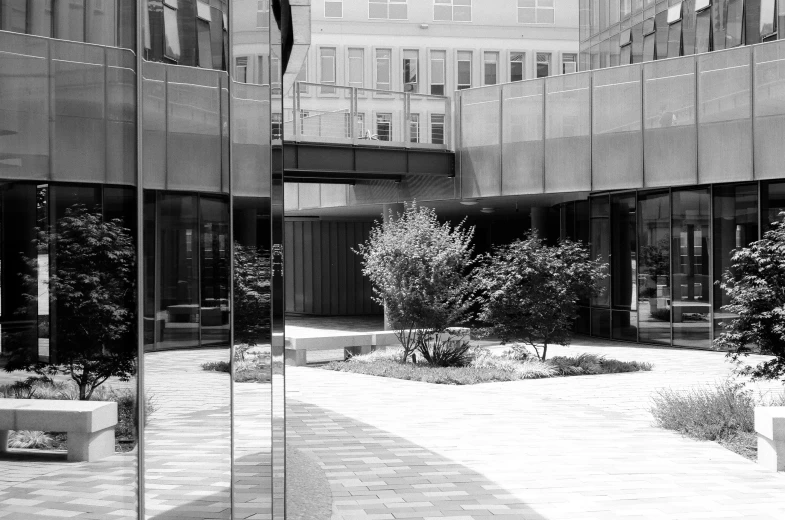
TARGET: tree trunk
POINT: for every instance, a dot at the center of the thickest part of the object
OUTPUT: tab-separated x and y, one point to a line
544	350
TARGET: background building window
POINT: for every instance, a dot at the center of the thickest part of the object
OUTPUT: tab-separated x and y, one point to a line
171	34
410	70
275	76
536	11
569	63
464	69
262	14
543	64
517	60
491	67
437	128
383	74
241	69
327	69
203	42
452	10
387	9
333	8
356	68
438	62
414	128
384	127
302	76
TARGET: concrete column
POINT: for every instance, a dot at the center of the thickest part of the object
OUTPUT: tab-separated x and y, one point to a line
386	210
539	218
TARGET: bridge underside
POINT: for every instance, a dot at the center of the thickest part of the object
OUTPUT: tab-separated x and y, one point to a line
347	164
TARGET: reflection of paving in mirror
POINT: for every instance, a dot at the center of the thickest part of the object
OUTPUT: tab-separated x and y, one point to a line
252	444
187	438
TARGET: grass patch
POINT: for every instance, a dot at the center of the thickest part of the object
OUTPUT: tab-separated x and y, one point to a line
484	367
723	413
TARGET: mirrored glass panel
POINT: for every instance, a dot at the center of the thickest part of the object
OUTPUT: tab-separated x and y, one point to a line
624	267
654	297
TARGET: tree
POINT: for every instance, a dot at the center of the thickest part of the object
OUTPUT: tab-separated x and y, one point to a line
93	291
251	295
528	291
755	285
418	270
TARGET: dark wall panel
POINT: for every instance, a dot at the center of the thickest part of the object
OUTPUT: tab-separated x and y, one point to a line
323	274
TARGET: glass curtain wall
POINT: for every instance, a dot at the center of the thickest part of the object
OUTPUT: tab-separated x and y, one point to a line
654	301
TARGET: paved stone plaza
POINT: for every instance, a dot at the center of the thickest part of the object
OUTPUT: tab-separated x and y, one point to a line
563	448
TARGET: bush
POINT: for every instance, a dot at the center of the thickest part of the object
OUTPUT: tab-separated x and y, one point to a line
449	351
249	366
30	440
528	291
724	413
587	364
417	267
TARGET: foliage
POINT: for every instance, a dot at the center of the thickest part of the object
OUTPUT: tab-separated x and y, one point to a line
587	364
418	270
655	259
528	291
250	365
30	440
724	413
446	349
755	285
92	289
251	295
483	367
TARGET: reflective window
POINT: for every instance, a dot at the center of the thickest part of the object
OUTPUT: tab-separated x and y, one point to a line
388	9
241	69
437	128
536	11
410	70
772	202
674	40
543	64
262	14
203	40
383	73
438	62
490	64
384	127
356	68
464	68
327	69
703	34
333	9
768	18
735	223
517	67
452	10
600	243
691	286
734	23
414	128
171	34
654	301
569	63
623	268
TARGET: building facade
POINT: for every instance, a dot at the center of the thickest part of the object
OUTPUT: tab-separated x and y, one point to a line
121	123
633	31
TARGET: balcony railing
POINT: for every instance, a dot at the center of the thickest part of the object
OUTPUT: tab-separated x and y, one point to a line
322	113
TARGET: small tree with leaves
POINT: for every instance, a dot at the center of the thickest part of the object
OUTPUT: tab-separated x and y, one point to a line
418	268
93	291
755	284
251	295
528	291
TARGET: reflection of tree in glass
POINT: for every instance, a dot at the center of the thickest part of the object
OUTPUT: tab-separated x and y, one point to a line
655	262
91	287
251	295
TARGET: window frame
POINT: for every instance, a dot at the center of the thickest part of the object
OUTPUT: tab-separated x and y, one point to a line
510	54
376	59
259	11
574	61
349	59
404	59
329	89
458	84
537	64
451	4
536	8
238	65
339	2
443	59
387	4
485	62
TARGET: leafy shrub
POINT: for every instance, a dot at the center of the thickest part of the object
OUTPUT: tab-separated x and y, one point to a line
249	365
588	364
417	267
426	373
217	366
661	314
451	351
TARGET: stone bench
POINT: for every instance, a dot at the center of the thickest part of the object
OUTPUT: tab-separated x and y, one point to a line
89	424
770	429
352	343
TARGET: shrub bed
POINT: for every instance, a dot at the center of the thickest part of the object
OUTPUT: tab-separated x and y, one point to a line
723	413
484	367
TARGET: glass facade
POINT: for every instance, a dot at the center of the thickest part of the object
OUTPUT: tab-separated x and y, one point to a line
655	31
666	251
136	231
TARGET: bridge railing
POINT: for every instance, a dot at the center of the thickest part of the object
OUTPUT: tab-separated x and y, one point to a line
315	112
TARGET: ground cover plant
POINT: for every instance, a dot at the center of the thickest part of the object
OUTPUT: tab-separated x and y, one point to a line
251	364
483	367
419	269
724	413
528	291
754	285
45	388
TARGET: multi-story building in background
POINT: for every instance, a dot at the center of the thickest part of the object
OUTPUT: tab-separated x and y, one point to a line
620	32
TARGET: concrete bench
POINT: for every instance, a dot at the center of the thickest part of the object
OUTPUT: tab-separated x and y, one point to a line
352	343
89	424
770	429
